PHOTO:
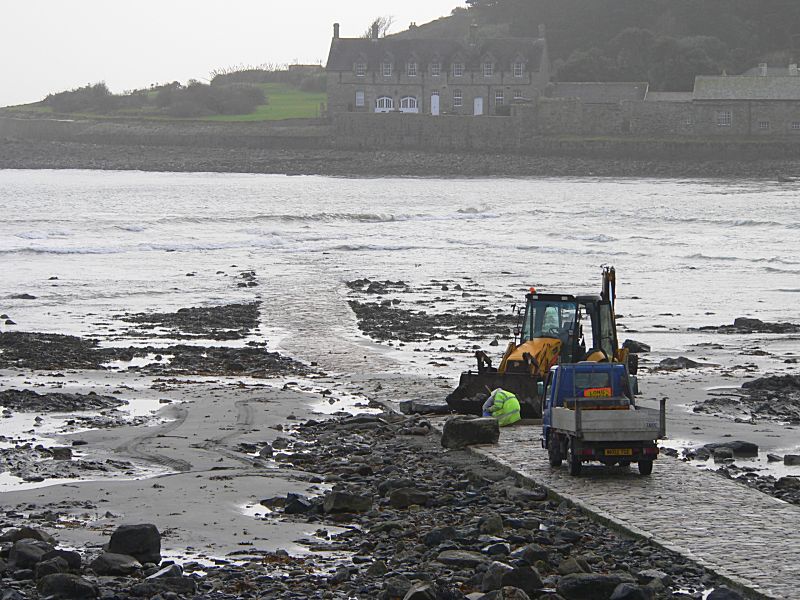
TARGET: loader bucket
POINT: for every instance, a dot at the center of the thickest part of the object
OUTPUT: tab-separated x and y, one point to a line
471	393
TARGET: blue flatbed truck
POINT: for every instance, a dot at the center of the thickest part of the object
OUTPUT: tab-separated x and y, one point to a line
590	414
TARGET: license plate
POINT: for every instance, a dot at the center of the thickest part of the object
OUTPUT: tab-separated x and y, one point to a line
619	452
597	393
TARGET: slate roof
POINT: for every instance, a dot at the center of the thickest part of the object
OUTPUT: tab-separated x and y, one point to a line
346	52
746	88
669	96
771	72
600	92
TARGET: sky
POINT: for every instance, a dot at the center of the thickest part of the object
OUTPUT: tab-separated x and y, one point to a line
53	45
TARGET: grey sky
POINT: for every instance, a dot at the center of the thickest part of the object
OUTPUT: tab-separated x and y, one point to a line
52	45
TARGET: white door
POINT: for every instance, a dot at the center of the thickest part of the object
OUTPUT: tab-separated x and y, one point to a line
478	106
435	105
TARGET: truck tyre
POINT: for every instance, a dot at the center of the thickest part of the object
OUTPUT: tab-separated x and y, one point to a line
554	450
574	462
645	467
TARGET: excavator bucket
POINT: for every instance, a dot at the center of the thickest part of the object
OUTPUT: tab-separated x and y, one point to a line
474	388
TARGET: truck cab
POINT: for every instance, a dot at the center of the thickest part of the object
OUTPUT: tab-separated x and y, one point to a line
589	413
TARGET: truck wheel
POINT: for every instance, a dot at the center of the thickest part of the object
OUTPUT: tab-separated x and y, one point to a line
574	462
645	467
554	450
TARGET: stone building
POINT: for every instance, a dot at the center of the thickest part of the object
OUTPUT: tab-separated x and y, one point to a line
472	76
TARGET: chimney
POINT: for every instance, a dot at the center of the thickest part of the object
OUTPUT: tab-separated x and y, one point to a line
763	69
542	31
793	69
376	30
473	34
336	31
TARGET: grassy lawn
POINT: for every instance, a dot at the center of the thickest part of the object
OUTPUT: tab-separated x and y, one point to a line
284	102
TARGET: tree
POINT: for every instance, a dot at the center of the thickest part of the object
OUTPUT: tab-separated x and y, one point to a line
382	23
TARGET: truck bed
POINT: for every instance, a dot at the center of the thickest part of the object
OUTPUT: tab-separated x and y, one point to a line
641	424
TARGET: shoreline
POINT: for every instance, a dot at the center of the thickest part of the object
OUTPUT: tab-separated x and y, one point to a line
60	155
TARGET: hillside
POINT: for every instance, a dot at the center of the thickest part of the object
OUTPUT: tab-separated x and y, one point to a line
666	42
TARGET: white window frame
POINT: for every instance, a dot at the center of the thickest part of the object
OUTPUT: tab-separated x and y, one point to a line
458	69
360	99
436	69
724	118
409	102
384	103
458	98
411	69
795	125
519	69
361	69
518	95
499	98
488	69
763	125
386	69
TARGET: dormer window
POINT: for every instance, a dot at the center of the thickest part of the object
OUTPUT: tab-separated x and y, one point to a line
488	69
436	69
386	69
411	69
519	69
361	69
458	69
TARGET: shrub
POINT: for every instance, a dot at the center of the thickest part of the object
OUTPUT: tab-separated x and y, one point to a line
90	98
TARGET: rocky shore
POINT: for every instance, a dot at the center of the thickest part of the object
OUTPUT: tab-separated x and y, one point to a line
20	154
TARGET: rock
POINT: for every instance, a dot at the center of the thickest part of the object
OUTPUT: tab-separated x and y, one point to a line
788	483
461	558
738	447
571	565
296	504
512	593
175	585
61	453
110	563
377	569
50	566
11	594
525	578
421	407
491	524
529	554
590	586
493	577
791	460
392	484
16	534
462	431
676	364
724	593
26	553
66	586
397	587
405	497
648	575
774	458
22	297
441	534
525	495
173	570
722	454
631	591
142	541
421	591
636	347
344	502
341	575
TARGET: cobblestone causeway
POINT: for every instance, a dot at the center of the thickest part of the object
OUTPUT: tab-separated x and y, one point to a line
741	534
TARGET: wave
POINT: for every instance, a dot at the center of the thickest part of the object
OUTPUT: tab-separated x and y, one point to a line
376	248
131	228
771	260
585	237
44	235
730	222
333	217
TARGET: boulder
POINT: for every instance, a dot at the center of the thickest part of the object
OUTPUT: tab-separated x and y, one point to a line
529	554
525	578
16	534
25	554
676	364
493	577
631	591
397	587
422	407
571	565
525	495
636	347
462	431
345	502
408	496
722	454
61	453
50	566
724	593
66	586
110	563
387	486
738	447
648	575
296	504
175	585
143	542
791	460
512	593
590	586
441	534
462	559
421	591
172	570
491	524
73	558
788	483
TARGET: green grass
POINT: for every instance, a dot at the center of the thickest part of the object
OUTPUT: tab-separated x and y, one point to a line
283	102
